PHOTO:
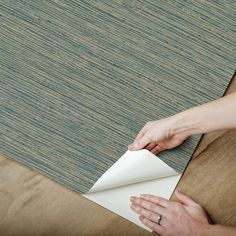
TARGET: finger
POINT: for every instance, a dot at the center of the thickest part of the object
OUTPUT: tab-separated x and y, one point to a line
157	200
141	143
185	199
151	225
155	150
150	146
146	213
149	206
158	149
142	131
140	134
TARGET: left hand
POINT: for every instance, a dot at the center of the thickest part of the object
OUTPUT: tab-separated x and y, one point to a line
184	218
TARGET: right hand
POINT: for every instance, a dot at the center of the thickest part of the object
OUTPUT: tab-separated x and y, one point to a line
157	136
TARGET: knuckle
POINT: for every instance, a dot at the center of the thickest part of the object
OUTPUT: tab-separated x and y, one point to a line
152	205
176	209
155	200
148	197
143	203
176	205
138	201
141	211
145	220
149	215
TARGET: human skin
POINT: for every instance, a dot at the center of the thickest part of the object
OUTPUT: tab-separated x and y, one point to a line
184	217
170	132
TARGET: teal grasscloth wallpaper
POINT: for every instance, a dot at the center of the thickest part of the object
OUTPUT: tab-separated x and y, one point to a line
79	79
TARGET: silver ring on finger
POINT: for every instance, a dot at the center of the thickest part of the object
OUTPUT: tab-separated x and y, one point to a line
158	220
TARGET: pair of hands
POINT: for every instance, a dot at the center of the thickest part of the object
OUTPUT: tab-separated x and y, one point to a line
183	217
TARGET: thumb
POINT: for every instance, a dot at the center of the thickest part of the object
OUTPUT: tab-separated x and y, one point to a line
140	143
185	199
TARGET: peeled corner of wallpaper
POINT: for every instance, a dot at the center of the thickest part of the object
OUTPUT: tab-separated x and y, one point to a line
133	167
135	173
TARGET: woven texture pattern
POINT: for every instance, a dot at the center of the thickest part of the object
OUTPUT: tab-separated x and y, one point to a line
79	79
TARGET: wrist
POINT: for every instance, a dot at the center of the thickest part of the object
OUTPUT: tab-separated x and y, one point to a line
207	230
185	123
217	230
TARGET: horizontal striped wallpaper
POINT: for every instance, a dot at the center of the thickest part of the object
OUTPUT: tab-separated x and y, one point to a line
80	78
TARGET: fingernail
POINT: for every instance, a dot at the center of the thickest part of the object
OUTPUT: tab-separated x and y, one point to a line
131	146
135	207
132	198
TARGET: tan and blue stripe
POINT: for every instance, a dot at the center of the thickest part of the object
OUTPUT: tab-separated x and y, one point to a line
79	79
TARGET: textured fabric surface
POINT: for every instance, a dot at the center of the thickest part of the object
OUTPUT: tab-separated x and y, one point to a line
79	79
